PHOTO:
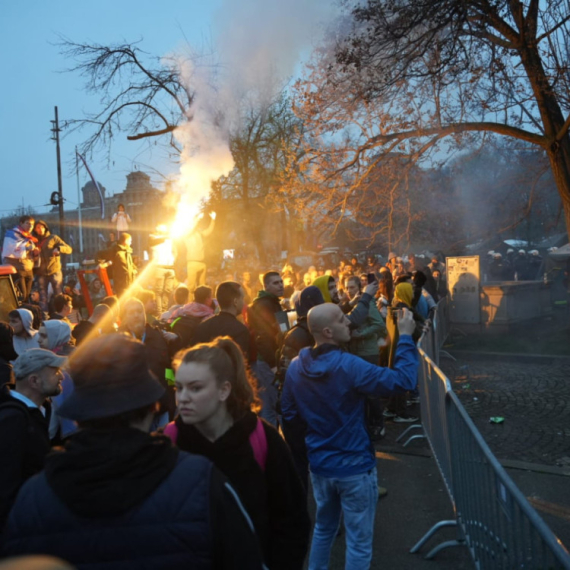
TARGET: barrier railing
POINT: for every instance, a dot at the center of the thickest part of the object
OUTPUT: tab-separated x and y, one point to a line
500	527
492	517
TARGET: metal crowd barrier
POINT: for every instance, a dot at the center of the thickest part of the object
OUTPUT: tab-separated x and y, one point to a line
492	517
500	528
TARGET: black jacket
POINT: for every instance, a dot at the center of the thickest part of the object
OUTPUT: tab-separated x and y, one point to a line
275	500
262	320
123	499
124	269
223	324
82	331
24	444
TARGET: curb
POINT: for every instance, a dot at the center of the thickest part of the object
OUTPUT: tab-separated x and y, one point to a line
510	356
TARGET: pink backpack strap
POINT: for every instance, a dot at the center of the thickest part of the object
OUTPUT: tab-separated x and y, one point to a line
171	431
258	442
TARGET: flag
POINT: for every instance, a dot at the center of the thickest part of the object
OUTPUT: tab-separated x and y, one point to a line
96	185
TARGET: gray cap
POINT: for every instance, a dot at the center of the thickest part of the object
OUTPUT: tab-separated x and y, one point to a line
34	359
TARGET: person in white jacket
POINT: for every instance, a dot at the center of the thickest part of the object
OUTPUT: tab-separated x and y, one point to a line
121	219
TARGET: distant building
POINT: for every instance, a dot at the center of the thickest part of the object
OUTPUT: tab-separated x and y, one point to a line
143	202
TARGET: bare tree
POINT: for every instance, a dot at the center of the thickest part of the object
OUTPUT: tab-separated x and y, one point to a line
140	94
423	78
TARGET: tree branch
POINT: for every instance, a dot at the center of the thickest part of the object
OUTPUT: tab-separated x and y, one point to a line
151	133
457	128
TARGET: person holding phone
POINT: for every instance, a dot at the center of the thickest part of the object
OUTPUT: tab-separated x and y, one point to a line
326	387
364	343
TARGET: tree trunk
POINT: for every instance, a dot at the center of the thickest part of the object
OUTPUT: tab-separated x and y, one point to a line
553	121
559	160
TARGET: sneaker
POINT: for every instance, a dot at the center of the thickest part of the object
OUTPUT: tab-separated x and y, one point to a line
388	414
382	492
405	419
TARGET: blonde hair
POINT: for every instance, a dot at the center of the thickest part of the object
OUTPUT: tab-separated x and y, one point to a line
225	359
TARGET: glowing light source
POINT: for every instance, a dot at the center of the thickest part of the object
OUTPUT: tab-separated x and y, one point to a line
187	216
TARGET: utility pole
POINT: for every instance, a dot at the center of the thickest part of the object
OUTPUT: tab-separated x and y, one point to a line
55	130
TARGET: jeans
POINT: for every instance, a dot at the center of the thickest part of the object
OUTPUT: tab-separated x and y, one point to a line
355	497
56	280
267	391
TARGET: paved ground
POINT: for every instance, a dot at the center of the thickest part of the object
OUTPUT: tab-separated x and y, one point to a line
416	501
533	397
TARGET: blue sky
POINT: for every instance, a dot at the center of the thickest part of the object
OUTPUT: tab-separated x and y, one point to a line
33	79
33	85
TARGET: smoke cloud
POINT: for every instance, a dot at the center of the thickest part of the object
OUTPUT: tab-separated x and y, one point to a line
257	46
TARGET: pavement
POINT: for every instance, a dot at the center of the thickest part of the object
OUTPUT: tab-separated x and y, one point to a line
416	500
533	445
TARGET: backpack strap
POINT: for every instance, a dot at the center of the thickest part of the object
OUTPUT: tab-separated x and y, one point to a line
258	442
171	431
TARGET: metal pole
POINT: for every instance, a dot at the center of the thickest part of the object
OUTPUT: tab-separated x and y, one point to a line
56	130
79	203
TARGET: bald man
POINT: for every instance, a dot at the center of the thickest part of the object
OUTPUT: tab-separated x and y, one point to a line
327	388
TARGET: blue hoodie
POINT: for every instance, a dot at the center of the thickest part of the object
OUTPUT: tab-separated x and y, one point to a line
327	388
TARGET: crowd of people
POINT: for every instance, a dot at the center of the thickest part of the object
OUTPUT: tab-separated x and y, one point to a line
514	266
180	426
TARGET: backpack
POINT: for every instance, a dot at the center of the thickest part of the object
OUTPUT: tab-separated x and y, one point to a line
257	440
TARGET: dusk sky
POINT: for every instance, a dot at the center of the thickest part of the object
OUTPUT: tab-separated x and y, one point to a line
33	82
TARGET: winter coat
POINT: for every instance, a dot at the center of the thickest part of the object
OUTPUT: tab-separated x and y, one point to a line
21	344
364	339
124	269
274	499
263	322
327	388
50	263
123	499
223	324
24	444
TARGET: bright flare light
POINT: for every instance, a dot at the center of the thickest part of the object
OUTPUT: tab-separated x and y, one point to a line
187	216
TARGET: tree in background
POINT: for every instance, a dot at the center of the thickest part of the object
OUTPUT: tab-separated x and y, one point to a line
426	80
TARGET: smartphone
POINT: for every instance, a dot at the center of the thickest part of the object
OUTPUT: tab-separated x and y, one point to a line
371	277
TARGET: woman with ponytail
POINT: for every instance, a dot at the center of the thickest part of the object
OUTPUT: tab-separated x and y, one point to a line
217	404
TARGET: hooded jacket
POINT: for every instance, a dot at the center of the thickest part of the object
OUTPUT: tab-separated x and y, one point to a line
123	499
327	388
322	283
21	344
51	263
59	335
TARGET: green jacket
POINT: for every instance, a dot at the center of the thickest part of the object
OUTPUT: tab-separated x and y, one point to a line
365	337
51	263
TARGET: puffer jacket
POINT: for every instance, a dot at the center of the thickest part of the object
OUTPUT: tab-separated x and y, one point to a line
180	525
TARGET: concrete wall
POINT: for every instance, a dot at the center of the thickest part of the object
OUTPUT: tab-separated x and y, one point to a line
509	303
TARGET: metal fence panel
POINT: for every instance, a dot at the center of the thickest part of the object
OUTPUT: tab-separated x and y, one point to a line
500	527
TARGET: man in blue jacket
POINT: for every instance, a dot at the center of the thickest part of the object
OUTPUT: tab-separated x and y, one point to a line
327	388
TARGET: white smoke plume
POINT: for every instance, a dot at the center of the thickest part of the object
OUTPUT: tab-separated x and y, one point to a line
258	44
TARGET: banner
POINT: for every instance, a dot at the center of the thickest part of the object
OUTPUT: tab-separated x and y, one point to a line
101	197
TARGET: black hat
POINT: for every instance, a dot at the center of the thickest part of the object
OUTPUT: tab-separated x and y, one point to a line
110	376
